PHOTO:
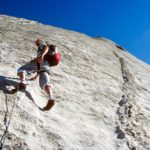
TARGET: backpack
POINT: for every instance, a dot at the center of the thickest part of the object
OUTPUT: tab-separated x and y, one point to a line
53	55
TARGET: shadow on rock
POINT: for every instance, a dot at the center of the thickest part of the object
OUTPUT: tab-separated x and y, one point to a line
6	83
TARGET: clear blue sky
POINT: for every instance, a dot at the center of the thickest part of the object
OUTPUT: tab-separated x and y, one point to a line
127	22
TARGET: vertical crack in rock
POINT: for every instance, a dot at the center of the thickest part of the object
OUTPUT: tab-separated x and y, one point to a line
130	124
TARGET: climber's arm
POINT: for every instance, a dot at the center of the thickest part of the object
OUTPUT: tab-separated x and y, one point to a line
44	52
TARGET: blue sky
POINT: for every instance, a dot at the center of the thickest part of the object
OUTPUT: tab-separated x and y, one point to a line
125	22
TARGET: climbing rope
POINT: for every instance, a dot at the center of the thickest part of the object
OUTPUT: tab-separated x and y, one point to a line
2	141
6	113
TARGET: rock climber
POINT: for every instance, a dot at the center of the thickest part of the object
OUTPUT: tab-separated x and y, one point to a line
41	67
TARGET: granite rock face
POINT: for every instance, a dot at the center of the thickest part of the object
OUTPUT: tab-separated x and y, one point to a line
102	92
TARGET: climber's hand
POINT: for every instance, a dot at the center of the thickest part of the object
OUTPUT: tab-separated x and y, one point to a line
40	59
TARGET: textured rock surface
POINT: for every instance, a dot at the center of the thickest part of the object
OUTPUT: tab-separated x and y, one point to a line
102	93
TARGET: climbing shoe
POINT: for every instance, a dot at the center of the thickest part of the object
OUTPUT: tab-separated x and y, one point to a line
49	105
21	87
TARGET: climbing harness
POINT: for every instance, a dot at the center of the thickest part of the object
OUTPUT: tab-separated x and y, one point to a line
2	141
